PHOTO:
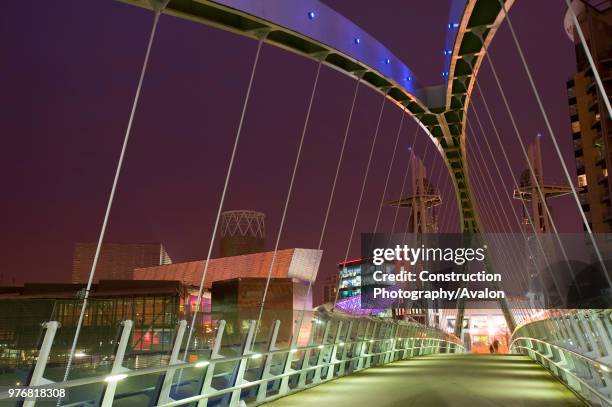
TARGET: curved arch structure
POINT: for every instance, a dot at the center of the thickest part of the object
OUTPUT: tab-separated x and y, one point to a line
314	30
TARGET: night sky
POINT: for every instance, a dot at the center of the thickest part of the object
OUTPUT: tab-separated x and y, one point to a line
68	74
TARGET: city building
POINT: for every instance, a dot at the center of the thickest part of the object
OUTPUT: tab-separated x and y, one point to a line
238	301
153	306
330	288
117	261
301	265
242	232
350	278
591	125
242	279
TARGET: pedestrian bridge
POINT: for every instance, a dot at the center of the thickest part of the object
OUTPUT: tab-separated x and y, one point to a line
443	380
347	360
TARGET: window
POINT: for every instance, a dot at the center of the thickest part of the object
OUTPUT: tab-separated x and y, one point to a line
575	127
582	181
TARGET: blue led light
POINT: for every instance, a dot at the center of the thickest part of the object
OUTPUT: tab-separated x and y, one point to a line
453	25
409	78
311	15
445	74
539	135
409	148
448	52
387	61
357	40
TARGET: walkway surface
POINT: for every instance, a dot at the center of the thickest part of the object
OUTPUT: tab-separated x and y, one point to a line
442	380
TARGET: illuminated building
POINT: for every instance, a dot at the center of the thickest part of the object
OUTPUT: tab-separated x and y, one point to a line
153	306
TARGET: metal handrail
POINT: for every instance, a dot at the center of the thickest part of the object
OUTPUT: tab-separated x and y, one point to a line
605	367
602	397
335	350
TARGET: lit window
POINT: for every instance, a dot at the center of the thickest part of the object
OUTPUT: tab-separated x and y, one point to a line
582	181
575	127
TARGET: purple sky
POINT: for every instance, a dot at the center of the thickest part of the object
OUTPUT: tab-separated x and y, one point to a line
68	76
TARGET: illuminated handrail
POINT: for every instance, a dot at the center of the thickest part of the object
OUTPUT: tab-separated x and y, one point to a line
515	345
392	346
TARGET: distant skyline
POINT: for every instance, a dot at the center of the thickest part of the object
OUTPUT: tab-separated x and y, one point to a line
68	80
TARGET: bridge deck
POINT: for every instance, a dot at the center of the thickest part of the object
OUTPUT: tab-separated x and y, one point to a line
442	380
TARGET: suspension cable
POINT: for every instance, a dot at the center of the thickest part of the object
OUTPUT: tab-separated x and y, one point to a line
492	211
473	181
514	180
223	194
526	156
496	215
289	191
365	179
414	192
382	197
331	198
554	140
516	216
410	158
157	13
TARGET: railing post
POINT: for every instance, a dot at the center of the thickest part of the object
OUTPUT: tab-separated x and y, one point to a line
575	328
262	391
317	375
37	378
332	355
306	360
588	333
164	394
369	344
601	333
210	367
388	357
344	350
109	392
242	364
362	347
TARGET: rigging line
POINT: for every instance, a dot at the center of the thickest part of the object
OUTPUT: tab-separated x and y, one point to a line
111	197
526	156
382	198
587	51
365	180
331	198
446	214
503	302
289	191
492	211
557	149
410	157
405	177
507	160
223	194
478	181
444	225
413	193
438	189
499	174
495	193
